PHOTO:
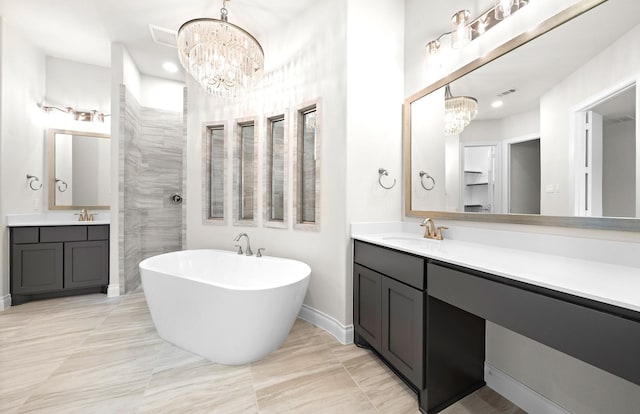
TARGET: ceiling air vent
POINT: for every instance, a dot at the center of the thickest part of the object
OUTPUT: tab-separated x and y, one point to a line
507	92
163	36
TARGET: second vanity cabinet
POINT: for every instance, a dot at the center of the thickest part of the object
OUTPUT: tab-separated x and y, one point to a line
390	306
58	260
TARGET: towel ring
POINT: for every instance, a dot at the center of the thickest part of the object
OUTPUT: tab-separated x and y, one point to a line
62	182
428	177
382	172
32	180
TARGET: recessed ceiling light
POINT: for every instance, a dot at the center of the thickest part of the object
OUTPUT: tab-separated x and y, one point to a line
170	67
497	104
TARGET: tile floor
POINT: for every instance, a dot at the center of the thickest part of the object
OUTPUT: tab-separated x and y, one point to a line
93	354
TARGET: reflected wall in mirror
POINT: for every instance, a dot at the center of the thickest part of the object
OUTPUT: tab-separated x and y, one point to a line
79	170
555	134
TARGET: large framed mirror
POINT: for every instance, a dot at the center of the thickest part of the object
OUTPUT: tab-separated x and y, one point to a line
554	141
79	170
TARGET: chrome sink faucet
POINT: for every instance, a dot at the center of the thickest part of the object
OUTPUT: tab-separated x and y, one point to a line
248	250
430	230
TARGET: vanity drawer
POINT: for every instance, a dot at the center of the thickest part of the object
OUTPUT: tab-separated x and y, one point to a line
403	267
97	232
22	235
63	234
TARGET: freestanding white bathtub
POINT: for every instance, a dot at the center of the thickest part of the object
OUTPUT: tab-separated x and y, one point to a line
228	308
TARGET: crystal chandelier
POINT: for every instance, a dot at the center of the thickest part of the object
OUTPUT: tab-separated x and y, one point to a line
224	58
459	111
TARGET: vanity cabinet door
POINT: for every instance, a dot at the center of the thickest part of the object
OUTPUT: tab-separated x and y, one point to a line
403	329
36	268
86	264
367	310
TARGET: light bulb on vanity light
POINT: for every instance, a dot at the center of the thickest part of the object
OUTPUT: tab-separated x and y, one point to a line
461	31
433	55
503	8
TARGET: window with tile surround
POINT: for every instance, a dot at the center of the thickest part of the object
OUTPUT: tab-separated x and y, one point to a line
245	204
307	180
215	168
275	200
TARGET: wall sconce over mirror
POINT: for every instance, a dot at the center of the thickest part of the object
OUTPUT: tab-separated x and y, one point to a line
85	116
464	30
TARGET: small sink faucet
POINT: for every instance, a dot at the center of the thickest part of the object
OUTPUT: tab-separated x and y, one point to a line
430	230
248	250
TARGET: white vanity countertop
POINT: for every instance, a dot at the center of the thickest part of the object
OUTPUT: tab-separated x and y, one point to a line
603	282
55	219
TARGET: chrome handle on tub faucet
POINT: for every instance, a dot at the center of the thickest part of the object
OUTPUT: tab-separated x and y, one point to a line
260	250
248	250
239	248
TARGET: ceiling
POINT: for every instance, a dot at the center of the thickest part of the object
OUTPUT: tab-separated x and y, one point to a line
83	30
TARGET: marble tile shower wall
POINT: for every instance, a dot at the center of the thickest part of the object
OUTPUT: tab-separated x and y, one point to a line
153	170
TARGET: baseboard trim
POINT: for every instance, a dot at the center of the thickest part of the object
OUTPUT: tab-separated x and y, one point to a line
518	393
113	290
5	302
344	334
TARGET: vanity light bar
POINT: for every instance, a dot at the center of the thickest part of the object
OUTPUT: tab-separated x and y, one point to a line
477	27
86	116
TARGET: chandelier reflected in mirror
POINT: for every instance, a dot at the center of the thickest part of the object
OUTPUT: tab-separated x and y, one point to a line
459	111
225	59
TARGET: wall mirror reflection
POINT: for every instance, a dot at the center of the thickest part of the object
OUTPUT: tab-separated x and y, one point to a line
555	133
79	170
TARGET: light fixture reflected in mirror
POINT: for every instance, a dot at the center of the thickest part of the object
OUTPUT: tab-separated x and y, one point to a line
459	111
461	31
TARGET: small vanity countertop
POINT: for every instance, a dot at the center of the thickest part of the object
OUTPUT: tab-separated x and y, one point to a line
603	282
56	219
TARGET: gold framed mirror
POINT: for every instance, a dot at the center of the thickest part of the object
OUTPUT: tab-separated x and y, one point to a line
79	170
563	59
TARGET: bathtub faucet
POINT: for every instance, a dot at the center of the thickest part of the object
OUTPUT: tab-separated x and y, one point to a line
248	251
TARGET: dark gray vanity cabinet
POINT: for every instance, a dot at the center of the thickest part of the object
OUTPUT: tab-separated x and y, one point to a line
50	261
389	307
36	268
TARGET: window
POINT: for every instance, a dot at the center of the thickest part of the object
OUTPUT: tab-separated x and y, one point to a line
275	170
214	138
245	177
308	168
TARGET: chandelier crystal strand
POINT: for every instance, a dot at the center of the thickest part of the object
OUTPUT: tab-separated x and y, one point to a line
224	58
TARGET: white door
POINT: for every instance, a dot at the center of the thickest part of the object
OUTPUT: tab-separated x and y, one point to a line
589	164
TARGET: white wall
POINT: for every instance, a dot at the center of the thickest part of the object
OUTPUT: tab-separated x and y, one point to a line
305	62
79	85
571	383
22	66
161	93
375	77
